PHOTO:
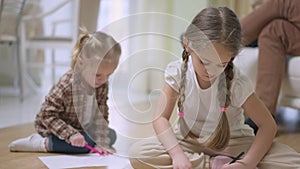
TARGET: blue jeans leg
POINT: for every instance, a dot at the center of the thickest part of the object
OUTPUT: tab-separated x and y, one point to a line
113	136
57	145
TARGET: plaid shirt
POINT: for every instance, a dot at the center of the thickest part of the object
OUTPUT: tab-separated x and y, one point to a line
65	105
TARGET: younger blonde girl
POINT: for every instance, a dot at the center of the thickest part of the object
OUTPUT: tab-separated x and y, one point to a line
75	112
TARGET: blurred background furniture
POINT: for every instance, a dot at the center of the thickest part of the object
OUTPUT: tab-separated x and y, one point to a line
11	12
62	35
246	61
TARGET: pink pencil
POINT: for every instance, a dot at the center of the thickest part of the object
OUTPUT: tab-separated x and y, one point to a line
94	150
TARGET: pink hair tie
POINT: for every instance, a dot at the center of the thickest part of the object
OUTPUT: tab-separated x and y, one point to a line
180	114
223	109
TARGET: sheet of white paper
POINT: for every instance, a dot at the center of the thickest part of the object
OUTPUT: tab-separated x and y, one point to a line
86	160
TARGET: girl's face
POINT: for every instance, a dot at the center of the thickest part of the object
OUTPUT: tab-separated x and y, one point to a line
97	75
211	62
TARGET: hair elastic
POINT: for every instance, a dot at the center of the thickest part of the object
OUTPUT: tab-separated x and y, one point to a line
223	109
180	114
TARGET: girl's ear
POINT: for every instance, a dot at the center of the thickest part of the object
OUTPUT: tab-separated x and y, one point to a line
79	62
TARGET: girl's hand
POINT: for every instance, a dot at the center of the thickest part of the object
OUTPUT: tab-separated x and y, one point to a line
77	140
180	161
238	164
106	151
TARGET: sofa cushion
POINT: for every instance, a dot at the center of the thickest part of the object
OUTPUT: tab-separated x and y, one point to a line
291	83
293	69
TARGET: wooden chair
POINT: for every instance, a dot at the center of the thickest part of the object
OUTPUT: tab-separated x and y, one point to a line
52	41
10	18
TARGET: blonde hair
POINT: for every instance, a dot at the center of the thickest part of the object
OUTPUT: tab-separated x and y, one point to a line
95	46
221	25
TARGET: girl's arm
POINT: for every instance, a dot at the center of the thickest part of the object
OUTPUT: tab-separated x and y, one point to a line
54	109
261	116
164	130
49	116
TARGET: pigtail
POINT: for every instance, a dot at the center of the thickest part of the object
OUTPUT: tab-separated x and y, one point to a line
83	37
95	47
220	138
182	124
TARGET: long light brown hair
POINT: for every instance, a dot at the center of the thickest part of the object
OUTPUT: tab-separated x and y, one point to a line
220	25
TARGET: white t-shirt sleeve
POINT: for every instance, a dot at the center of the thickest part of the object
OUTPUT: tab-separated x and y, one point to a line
241	89
172	74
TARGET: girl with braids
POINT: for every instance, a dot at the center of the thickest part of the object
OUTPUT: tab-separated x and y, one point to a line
212	96
75	112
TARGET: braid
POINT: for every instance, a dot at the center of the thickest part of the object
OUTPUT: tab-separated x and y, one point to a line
183	127
220	138
185	58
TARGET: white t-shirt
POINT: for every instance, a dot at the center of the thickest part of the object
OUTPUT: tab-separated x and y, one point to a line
201	106
89	111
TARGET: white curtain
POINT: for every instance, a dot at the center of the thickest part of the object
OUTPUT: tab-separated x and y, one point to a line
240	7
149	33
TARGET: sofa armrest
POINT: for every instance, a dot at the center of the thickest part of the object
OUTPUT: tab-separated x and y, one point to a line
246	62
